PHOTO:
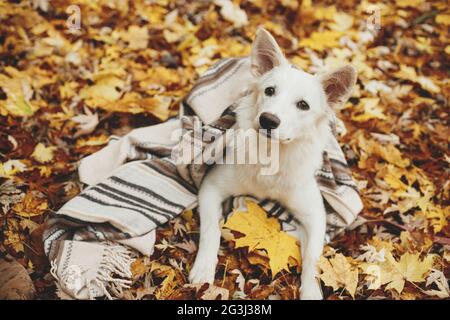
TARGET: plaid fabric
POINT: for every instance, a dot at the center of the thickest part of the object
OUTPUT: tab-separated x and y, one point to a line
136	186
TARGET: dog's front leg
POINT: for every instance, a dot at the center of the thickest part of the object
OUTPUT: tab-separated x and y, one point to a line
307	205
210	200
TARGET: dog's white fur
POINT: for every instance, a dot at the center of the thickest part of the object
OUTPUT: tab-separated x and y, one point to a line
301	135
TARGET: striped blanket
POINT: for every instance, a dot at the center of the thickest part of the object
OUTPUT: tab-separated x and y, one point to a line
136	185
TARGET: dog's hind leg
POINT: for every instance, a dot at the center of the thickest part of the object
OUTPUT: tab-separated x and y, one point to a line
210	209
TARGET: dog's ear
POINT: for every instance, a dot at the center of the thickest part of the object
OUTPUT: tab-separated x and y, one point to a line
338	85
266	54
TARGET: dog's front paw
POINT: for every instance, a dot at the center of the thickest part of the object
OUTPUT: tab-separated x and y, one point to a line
202	272
311	292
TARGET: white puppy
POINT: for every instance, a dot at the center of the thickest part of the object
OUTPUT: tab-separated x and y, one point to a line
294	107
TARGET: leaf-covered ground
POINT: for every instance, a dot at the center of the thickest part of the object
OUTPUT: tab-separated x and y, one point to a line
64	91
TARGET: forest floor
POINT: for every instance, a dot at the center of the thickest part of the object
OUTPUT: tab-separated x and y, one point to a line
64	90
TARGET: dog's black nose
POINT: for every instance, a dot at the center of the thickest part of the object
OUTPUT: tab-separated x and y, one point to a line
269	121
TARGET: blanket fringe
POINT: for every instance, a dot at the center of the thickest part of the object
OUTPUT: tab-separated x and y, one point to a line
117	260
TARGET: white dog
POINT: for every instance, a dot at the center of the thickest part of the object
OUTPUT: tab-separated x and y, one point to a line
294	107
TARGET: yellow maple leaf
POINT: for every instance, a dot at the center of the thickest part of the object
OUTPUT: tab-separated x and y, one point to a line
134	103
324	13
12	235
321	40
105	90
443	19
262	232
406	72
380	243
370	110
409	268
387	152
408	3
140	266
160	76
188	215
447	50
410	243
337	272
153	13
435	215
42	153
167	287
407	197
20	107
137	37
18	88
92	141
11	167
409	73
342	22
33	204
233	47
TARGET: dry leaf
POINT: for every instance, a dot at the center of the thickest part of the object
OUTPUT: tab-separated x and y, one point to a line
394	273
131	64
231	12
337	272
43	154
261	232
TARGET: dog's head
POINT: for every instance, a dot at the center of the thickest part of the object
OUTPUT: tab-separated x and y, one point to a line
288	102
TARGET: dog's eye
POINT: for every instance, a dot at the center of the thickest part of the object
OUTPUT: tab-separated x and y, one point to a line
303	105
269	91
